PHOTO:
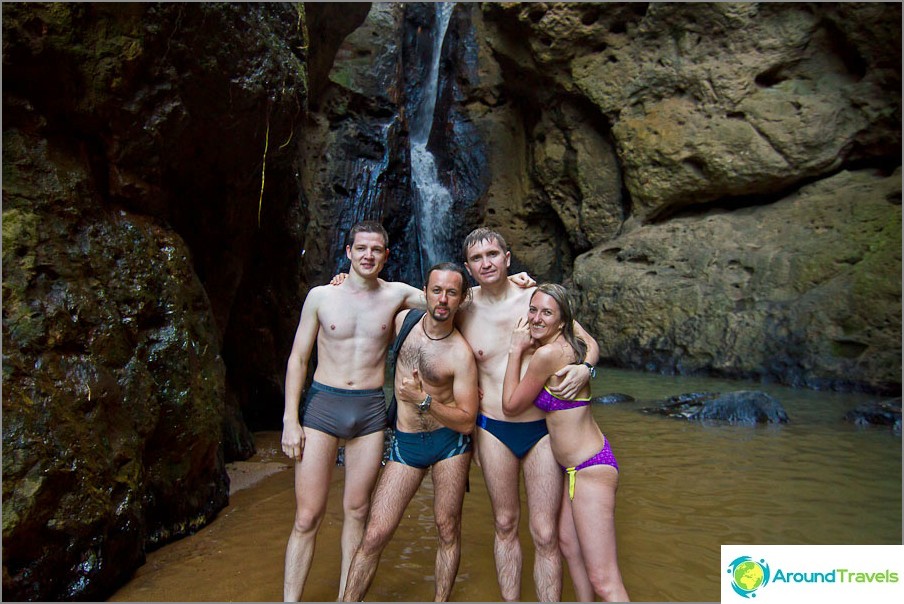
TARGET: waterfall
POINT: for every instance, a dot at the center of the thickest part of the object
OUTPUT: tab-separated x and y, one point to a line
433	200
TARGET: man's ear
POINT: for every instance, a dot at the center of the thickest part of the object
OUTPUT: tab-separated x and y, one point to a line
468	268
508	259
348	252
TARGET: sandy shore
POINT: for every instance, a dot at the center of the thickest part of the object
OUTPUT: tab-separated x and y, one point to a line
268	460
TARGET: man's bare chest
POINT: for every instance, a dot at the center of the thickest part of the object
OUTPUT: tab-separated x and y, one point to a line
351	317
428	357
489	332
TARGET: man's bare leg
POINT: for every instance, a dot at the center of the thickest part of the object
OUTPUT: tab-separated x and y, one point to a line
450	477
543	484
312	485
502	473
362	465
397	485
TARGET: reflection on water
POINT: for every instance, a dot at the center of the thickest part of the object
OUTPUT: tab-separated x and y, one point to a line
686	488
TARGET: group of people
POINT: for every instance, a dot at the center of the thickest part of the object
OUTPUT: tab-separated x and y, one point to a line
502	368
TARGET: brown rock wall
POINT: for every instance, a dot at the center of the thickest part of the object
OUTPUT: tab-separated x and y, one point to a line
737	106
805	291
712	101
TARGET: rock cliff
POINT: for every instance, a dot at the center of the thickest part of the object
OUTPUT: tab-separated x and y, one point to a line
136	139
712	173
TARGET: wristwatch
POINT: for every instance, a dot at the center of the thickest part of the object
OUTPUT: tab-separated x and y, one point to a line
592	369
424	405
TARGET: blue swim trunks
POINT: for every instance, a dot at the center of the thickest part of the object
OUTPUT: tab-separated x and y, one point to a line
519	437
423	449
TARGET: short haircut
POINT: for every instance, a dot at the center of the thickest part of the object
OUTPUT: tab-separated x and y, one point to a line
479	235
455	268
367	226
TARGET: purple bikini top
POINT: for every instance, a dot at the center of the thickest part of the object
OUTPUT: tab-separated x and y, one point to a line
545	401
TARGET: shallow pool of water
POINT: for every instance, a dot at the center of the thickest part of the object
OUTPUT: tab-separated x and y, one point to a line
685	489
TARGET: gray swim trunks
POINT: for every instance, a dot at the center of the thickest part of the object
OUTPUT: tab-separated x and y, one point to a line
344	413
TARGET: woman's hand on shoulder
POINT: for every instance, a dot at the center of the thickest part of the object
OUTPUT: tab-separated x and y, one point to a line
523	280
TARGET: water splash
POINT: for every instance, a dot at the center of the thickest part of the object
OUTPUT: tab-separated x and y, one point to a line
434	202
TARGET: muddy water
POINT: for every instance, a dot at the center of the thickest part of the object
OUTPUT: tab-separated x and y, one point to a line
686	488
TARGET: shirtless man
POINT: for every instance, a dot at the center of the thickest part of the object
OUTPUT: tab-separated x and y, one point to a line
505	446
352	326
436	388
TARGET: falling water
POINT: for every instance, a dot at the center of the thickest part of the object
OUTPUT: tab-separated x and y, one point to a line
434	202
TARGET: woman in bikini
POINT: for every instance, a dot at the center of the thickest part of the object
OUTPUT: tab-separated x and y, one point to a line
545	340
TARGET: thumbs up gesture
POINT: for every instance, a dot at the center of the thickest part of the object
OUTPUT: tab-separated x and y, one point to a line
411	391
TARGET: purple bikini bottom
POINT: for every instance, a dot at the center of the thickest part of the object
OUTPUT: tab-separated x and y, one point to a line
604	458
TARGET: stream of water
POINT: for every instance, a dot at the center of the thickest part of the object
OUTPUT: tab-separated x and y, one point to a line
434	201
685	489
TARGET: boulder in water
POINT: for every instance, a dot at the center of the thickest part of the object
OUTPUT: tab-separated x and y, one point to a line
612	398
742	407
883	413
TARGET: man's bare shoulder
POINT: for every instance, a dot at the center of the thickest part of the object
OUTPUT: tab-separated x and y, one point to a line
318	293
461	343
523	294
459	355
402	295
398	287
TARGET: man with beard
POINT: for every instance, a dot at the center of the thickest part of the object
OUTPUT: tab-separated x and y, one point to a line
436	388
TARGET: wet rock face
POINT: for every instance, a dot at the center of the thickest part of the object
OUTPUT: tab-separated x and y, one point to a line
173	107
713	101
806	291
354	156
113	386
134	233
718	118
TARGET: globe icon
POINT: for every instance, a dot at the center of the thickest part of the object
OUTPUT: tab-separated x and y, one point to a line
748	575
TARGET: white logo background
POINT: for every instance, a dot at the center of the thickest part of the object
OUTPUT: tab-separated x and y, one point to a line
809	559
